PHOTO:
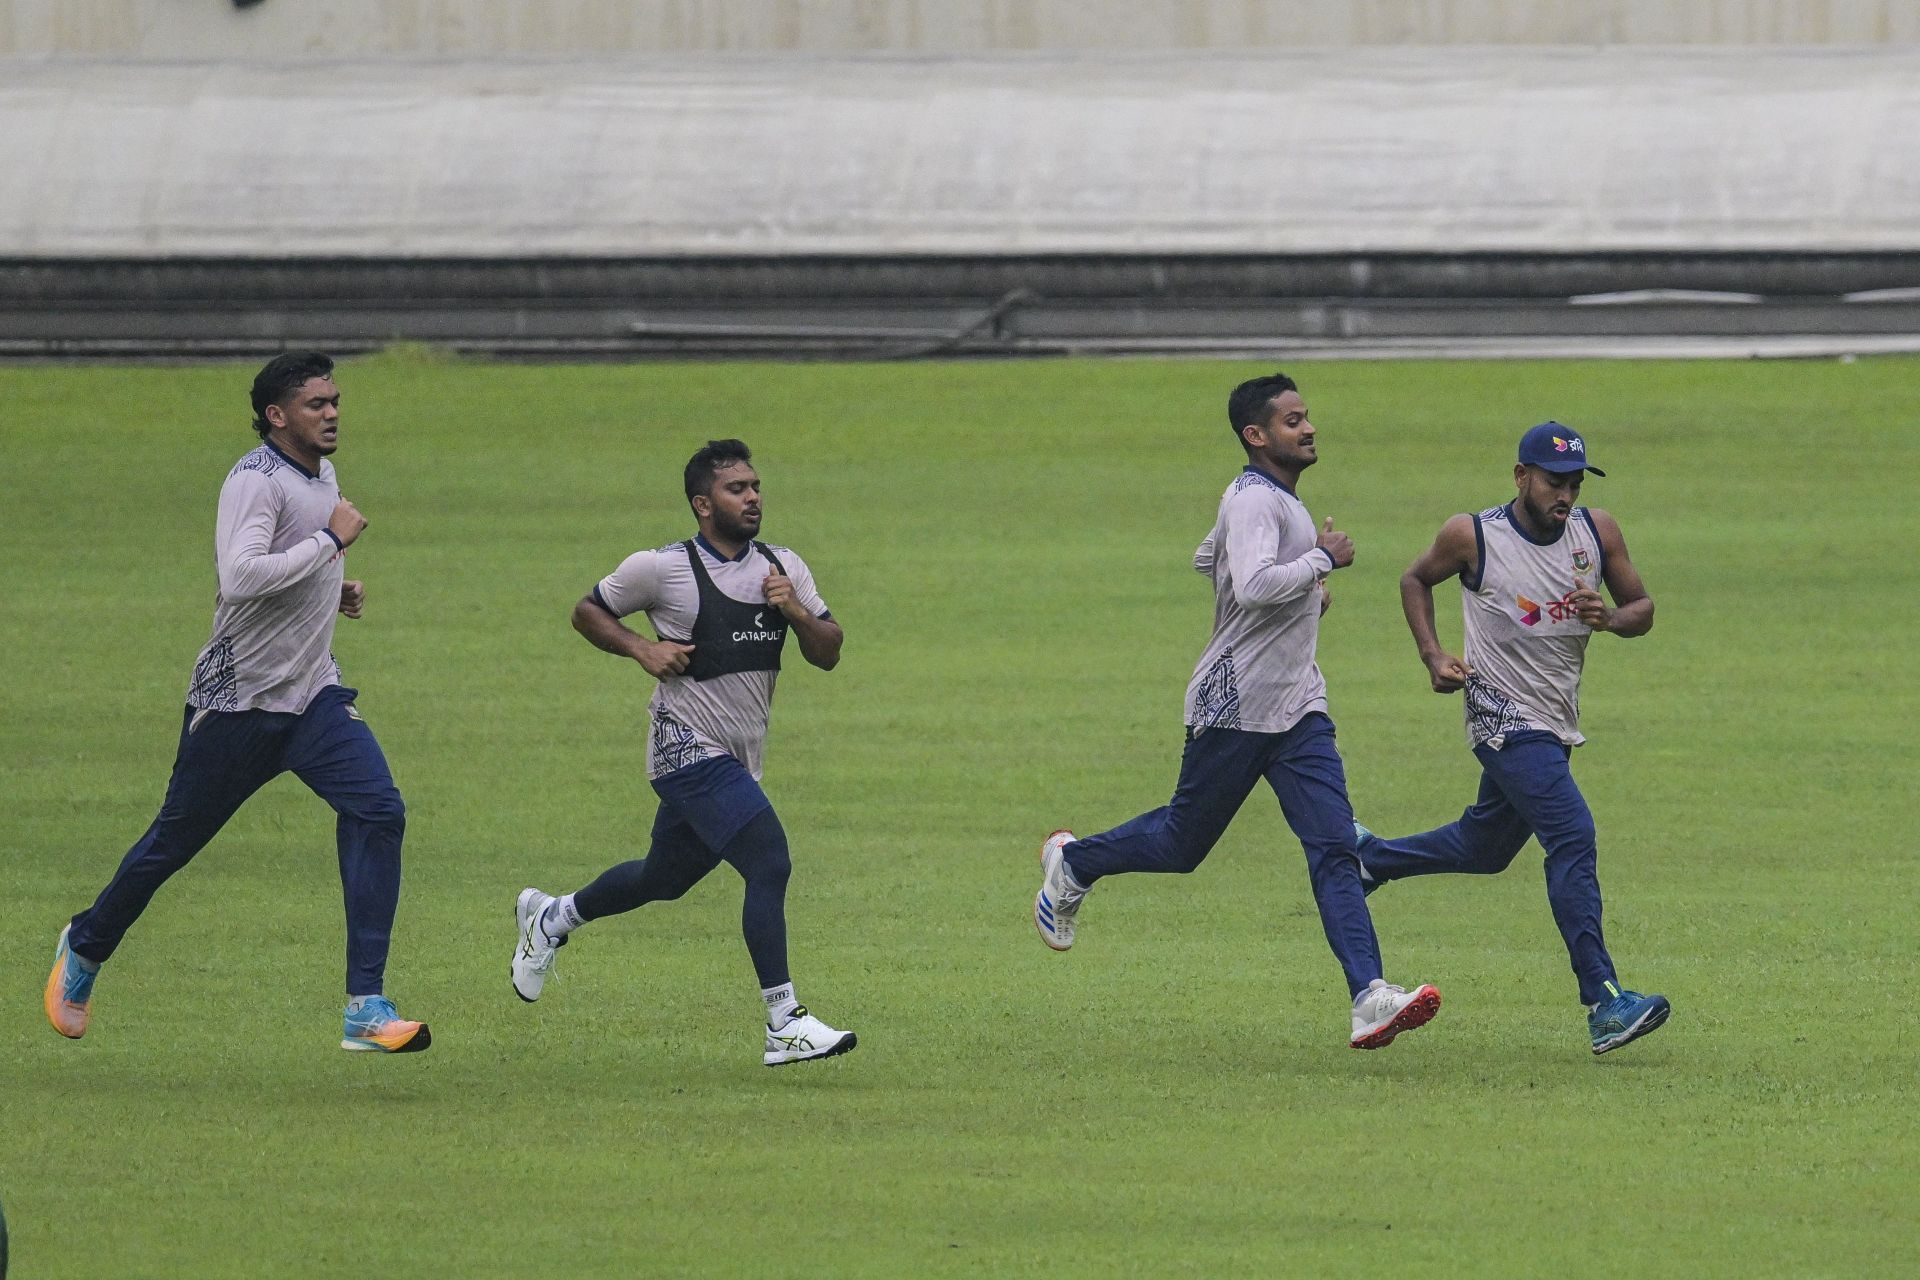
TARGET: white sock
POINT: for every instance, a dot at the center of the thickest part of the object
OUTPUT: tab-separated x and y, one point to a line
354	1002
560	918
780	1004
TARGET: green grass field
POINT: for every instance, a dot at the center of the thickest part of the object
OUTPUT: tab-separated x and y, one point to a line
1007	547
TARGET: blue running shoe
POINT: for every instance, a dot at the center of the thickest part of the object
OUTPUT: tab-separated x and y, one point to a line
69	990
377	1027
1625	1018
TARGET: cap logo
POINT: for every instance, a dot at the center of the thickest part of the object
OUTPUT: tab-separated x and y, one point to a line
1571	444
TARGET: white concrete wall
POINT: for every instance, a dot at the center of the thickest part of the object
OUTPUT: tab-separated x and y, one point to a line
1377	150
507	28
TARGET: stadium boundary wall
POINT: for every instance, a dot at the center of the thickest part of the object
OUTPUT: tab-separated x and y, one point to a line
280	29
1382	150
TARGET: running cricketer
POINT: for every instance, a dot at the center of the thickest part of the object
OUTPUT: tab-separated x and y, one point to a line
1529	573
721	604
1257	708
266	699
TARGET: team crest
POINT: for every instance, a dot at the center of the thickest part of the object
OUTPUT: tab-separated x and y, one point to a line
1580	561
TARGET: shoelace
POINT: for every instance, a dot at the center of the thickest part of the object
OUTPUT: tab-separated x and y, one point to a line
792	1034
1068	898
375	1012
1381	1001
77	982
542	955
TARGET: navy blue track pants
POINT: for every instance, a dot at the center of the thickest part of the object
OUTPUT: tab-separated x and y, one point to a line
1218	770
710	812
226	756
1526	789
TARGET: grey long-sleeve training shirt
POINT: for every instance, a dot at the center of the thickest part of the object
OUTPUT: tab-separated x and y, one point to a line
280	573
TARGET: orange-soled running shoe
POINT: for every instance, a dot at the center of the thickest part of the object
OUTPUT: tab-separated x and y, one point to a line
376	1027
69	991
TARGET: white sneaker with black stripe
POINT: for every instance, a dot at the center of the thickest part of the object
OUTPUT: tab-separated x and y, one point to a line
802	1038
533	950
1058	901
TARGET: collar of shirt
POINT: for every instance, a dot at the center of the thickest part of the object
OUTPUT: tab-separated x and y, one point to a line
700	540
276	452
1514	520
1278	484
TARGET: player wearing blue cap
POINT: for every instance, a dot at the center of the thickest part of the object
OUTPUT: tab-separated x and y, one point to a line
1529	576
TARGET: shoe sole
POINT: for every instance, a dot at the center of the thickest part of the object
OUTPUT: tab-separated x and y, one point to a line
844	1044
1650	1021
52	1001
1417	1012
1037	926
413	1044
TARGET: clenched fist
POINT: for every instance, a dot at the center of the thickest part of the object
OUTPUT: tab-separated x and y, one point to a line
346	522
666	658
779	589
1338	545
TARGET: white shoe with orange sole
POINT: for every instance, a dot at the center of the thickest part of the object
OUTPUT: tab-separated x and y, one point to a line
1383	1011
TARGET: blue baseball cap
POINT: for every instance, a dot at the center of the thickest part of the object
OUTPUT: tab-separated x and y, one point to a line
1552	447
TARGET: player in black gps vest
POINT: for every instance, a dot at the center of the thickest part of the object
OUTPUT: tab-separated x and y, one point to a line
722	604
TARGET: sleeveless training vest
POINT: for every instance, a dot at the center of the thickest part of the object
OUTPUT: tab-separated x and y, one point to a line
1523	640
732	635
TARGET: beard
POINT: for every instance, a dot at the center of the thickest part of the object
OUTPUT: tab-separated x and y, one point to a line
1540	515
735	528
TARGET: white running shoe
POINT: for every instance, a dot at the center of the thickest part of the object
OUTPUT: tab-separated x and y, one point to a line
533	951
802	1038
1383	1011
1058	901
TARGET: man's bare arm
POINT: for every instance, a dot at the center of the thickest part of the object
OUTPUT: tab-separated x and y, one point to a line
1632	611
820	638
1454	552
661	658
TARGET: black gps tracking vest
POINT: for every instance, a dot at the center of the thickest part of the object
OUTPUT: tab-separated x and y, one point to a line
731	635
